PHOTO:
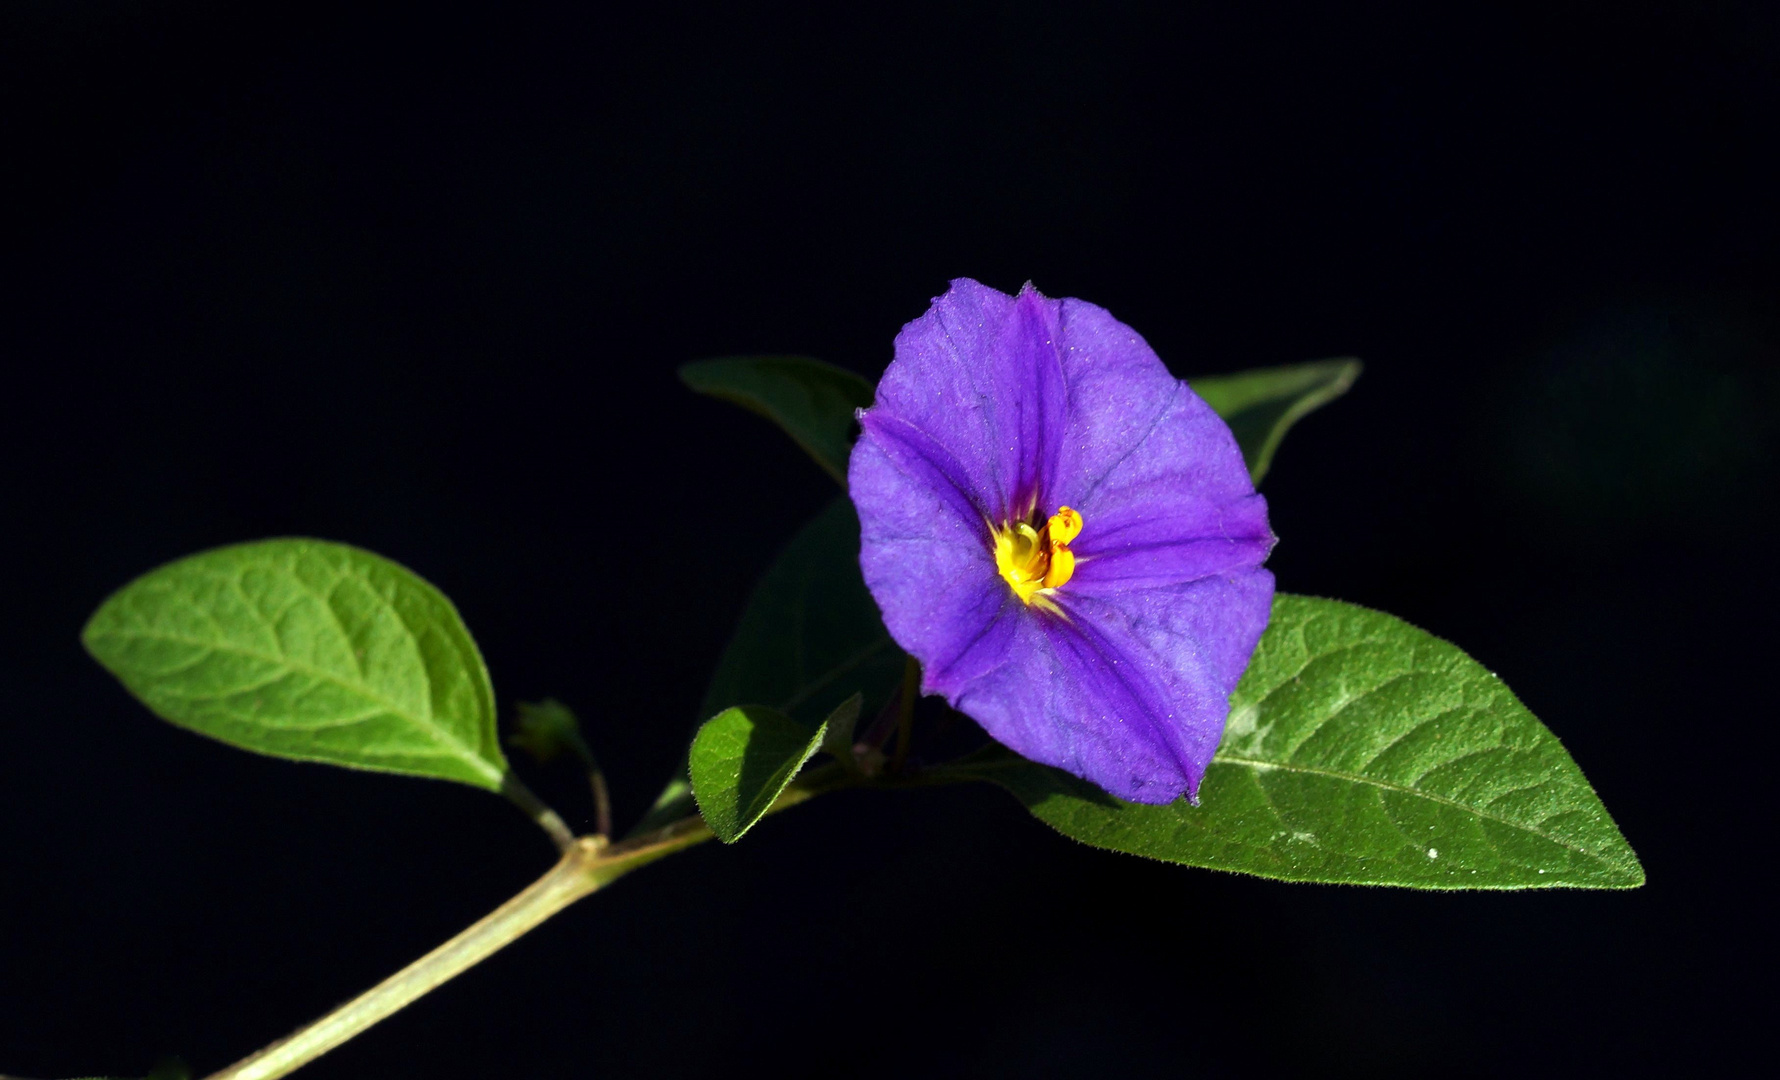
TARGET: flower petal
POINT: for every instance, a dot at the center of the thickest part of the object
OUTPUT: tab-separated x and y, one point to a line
926	463
1167	538
1133	428
1129	693
925	557
980	375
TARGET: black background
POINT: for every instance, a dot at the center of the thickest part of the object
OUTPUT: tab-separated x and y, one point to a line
419	280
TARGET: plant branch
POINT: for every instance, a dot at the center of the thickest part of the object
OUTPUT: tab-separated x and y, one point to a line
588	864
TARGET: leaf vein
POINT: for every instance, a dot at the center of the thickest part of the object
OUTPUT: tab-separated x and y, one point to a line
1441	800
426	725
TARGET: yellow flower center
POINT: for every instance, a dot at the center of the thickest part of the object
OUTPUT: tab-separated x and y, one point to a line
1032	558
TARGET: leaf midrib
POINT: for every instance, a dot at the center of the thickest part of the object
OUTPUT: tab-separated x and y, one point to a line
1386	785
426	726
1014	762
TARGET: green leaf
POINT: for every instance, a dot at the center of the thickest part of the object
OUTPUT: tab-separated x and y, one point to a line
741	760
809	639
1261	405
309	650
813	401
1364	751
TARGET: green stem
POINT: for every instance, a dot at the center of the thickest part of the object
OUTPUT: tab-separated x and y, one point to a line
602	801
596	779
588	864
547	819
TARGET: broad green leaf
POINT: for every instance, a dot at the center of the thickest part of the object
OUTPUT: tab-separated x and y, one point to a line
741	760
809	639
1360	750
309	650
813	401
1261	405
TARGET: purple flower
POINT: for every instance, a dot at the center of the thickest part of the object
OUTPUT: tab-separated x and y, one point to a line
1063	535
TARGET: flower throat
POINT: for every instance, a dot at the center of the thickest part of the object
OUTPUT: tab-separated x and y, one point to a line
1033	557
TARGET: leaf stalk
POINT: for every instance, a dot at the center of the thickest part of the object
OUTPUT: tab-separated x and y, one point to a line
547	819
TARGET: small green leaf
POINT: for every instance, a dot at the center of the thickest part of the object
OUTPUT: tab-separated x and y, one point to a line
1360	750
741	760
309	650
810	638
1261	405
814	402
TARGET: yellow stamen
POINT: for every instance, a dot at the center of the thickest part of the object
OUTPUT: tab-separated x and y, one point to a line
1032	558
1065	526
1062	566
